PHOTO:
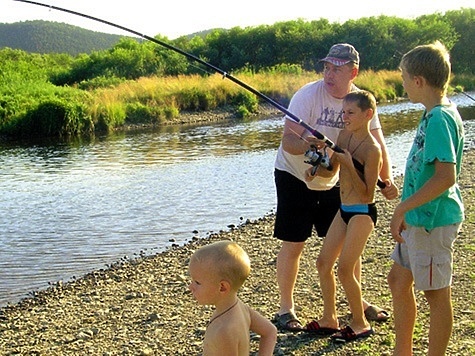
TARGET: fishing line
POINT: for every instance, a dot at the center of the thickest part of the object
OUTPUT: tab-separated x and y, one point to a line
468	96
225	74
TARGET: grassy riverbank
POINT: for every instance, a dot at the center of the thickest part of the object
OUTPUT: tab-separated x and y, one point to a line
36	107
162	100
143	306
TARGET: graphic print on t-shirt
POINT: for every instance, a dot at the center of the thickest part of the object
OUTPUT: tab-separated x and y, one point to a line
331	118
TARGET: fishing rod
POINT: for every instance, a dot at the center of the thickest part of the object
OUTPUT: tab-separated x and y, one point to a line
459	90
225	74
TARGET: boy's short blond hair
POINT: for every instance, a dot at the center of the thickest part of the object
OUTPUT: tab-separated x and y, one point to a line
432	62
228	261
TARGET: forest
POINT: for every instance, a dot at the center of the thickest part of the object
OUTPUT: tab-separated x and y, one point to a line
43	37
138	81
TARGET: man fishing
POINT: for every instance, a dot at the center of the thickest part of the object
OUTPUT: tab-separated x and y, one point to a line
303	205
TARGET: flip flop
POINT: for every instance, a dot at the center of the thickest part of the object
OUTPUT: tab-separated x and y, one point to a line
347	334
315	328
374	313
284	322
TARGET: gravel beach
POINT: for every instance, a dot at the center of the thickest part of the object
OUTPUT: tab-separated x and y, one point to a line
143	306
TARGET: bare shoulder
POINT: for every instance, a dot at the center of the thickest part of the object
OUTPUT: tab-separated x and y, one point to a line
374	142
372	146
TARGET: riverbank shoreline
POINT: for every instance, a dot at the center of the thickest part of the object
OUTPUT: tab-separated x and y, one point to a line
209	116
143	307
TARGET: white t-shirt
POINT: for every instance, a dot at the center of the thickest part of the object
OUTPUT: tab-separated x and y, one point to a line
316	107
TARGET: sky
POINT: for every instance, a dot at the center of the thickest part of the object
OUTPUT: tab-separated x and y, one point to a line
174	18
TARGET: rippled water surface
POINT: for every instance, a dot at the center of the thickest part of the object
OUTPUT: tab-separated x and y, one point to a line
69	208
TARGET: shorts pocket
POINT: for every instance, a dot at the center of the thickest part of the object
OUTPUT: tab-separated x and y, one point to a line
423	260
441	259
433	272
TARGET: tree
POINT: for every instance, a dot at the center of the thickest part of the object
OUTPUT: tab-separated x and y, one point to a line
463	21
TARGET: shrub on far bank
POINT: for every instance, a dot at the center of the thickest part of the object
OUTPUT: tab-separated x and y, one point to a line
56	117
138	113
45	112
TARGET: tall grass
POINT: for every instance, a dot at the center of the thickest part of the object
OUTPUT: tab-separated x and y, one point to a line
157	100
163	98
385	85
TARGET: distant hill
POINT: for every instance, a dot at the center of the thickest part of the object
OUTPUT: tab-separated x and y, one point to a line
53	37
203	33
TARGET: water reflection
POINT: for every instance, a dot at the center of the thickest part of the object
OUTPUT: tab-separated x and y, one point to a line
69	208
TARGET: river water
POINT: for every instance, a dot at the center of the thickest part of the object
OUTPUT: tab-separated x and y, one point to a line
69	208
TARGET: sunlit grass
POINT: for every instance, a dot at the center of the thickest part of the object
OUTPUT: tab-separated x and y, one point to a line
200	93
385	85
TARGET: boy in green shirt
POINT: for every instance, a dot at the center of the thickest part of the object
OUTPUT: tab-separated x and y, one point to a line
426	222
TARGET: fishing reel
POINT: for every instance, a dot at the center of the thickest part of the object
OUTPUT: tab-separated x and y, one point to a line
317	158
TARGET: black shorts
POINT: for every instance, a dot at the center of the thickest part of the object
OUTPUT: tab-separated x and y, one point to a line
299	208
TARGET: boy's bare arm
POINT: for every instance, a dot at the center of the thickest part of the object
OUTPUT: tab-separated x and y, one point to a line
266	330
443	178
386	170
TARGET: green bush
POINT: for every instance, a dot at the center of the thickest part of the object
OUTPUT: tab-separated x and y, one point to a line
138	113
246	103
53	117
463	82
110	116
171	112
196	99
100	82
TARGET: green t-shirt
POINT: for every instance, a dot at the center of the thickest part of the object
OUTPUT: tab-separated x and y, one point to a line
440	136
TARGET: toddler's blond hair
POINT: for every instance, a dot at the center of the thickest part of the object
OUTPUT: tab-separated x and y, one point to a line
228	261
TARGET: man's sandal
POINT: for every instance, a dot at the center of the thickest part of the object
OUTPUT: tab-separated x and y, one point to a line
288	322
374	313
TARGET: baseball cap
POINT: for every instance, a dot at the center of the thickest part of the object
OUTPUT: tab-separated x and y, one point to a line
341	54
